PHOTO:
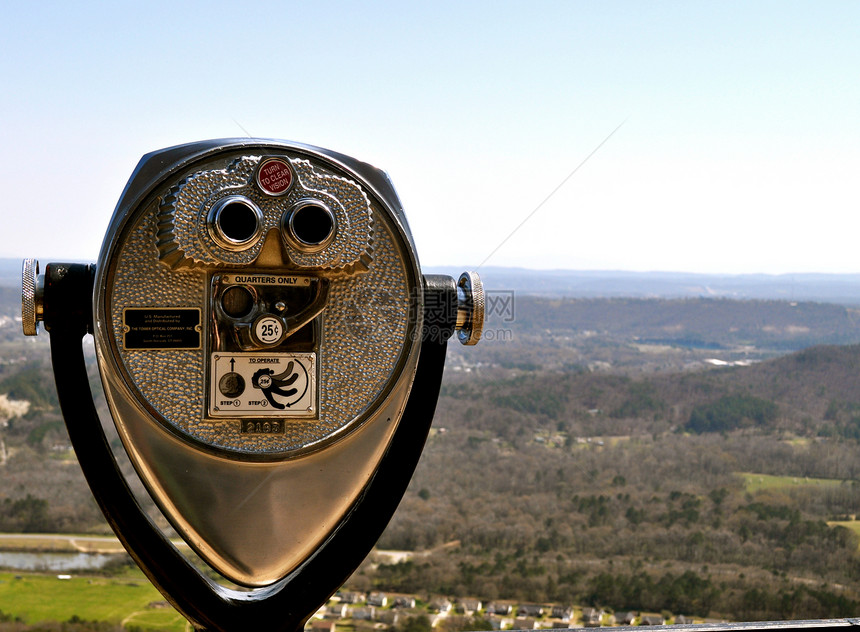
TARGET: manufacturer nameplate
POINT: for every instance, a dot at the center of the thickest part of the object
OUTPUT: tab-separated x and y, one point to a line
161	328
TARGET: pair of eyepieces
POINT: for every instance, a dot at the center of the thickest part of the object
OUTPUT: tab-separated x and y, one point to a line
235	223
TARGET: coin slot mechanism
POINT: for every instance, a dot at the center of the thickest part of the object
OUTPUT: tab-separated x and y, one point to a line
237	301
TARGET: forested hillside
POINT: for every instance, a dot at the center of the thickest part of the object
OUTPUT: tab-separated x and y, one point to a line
606	489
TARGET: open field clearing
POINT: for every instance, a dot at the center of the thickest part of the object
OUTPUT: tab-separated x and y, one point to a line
131	599
758	482
852	525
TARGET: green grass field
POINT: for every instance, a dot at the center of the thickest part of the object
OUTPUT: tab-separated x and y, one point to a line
128	600
763	482
758	482
853	525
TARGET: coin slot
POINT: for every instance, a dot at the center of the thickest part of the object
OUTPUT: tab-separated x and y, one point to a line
237	301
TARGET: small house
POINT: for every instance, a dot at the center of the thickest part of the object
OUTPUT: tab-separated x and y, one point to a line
351	597
377	599
525	623
562	612
336	611
367	613
500	608
440	605
591	617
625	617
390	617
469	606
530	610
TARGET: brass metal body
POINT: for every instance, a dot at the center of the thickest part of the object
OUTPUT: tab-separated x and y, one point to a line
257	460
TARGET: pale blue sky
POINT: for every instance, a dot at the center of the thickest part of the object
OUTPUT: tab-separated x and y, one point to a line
740	151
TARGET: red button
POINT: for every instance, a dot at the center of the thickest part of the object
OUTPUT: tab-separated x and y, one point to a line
274	176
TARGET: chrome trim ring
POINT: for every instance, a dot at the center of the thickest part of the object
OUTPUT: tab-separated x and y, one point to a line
215	220
293	233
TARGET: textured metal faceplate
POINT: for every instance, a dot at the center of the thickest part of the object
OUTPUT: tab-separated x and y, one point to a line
185	241
365	334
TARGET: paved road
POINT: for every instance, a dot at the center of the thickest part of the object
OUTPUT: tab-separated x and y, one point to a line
83	543
57	536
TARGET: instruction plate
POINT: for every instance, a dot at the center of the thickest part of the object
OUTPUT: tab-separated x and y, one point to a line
262	385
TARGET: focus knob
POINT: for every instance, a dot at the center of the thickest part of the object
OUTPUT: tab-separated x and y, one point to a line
470	308
32	292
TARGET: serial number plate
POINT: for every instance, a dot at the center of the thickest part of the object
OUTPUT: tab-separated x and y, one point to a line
262	385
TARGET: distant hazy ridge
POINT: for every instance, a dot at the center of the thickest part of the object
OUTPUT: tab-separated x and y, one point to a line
830	288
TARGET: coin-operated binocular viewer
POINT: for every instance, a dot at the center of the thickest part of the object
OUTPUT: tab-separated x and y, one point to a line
271	355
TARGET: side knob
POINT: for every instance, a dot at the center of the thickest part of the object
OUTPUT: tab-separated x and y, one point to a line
32	293
470	308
